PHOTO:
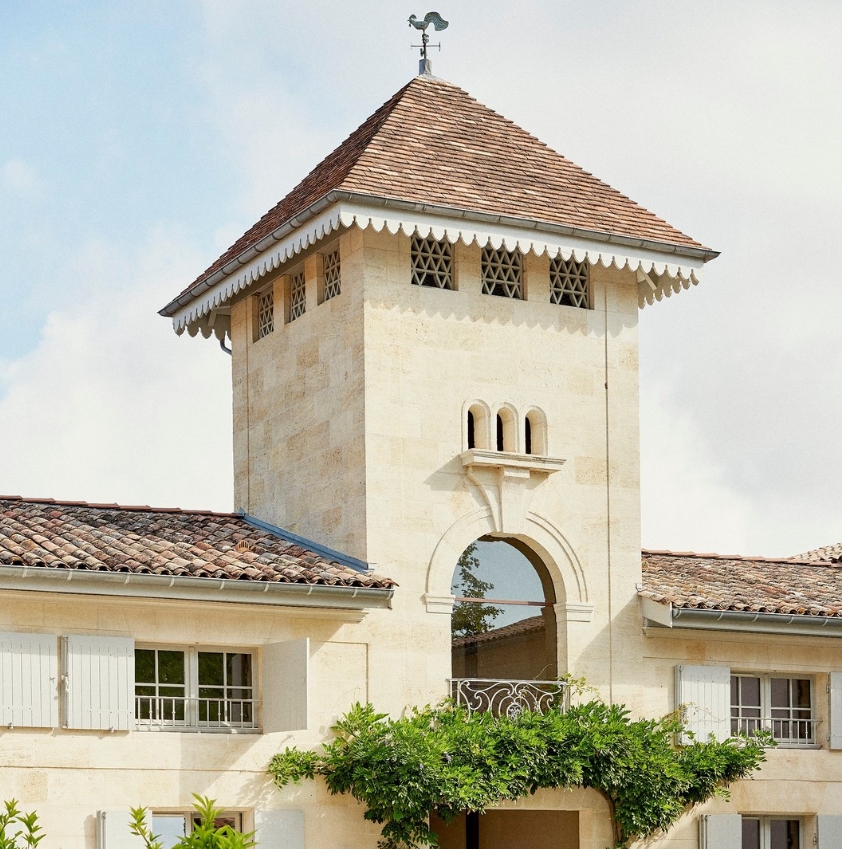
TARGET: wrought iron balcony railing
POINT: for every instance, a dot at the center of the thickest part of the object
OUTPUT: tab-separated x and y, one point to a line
787	731
508	697
186	714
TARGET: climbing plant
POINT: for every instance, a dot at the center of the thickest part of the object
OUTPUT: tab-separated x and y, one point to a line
447	760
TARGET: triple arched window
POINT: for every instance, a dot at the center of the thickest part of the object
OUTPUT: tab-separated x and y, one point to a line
504	428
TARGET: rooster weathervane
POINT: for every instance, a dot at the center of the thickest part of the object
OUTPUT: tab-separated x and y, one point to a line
438	22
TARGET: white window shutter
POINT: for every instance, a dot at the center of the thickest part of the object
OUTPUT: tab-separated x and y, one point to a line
285	685
830	830
29	680
279	829
704	695
721	831
113	831
835	688
99	683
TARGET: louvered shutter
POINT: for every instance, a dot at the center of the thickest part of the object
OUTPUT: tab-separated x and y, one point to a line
285	685
835	691
721	831
279	829
704	695
99	683
29	680
830	831
113	832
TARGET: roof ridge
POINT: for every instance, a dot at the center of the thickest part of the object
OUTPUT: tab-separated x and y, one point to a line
145	508
754	559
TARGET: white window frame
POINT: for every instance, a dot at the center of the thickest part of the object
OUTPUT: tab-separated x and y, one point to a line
189	816
767	722
765	828
192	721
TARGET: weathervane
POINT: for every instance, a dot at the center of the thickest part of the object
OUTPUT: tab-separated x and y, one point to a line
439	23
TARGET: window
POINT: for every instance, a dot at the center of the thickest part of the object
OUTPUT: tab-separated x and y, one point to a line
569	283
506	438
782	705
534	432
332	278
502	273
472	443
172	826
194	689
771	833
265	313
527	435
297	296
432	263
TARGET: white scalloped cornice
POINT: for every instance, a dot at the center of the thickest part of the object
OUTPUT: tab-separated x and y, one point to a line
661	269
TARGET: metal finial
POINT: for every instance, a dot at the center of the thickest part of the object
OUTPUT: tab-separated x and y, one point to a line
434	18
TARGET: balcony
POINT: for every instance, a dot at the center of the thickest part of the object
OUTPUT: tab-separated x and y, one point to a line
171	713
504	697
786	731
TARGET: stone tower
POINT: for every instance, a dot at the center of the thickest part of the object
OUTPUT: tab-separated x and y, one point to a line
434	340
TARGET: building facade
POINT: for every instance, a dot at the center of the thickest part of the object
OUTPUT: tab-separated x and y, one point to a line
433	342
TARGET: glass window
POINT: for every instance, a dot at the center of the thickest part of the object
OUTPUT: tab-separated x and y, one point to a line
781	705
751	833
194	689
771	833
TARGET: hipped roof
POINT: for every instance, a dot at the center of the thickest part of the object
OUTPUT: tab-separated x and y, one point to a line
432	143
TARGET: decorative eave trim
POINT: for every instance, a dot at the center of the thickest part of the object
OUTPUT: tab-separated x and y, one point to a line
662	268
665	615
143	585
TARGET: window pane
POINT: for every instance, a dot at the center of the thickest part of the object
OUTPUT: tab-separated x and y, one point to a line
171	667
170	829
801	692
784	834
750	691
239	670
144	665
780	692
211	669
735	690
751	833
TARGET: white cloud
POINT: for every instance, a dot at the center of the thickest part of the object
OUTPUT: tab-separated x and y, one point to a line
111	405
21	180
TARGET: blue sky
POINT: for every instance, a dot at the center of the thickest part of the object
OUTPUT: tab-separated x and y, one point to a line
139	139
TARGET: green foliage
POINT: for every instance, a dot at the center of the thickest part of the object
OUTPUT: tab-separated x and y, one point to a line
446	760
204	835
469	618
17	829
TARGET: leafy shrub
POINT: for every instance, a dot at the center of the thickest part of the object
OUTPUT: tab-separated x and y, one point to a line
17	829
447	760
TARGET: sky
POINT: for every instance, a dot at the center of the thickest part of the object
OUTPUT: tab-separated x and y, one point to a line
139	139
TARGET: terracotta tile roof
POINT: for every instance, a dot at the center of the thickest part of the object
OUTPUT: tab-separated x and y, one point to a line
160	541
516	629
830	554
433	143
756	585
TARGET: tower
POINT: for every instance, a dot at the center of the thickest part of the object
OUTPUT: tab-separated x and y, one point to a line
434	340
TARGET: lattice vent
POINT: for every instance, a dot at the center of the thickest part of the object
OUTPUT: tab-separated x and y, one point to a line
333	279
569	283
432	263
297	302
502	273
265	313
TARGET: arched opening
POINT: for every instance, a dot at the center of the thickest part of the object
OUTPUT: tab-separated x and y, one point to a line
476	426
535	432
527	436
503	625
472	442
506	431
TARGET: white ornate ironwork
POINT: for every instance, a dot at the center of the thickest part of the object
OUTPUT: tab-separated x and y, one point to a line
265	313
179	713
333	280
569	283
297	297
502	272
432	263
504	697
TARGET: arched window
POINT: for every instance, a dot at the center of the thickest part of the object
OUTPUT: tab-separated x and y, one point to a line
506	430
535	432
475	423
